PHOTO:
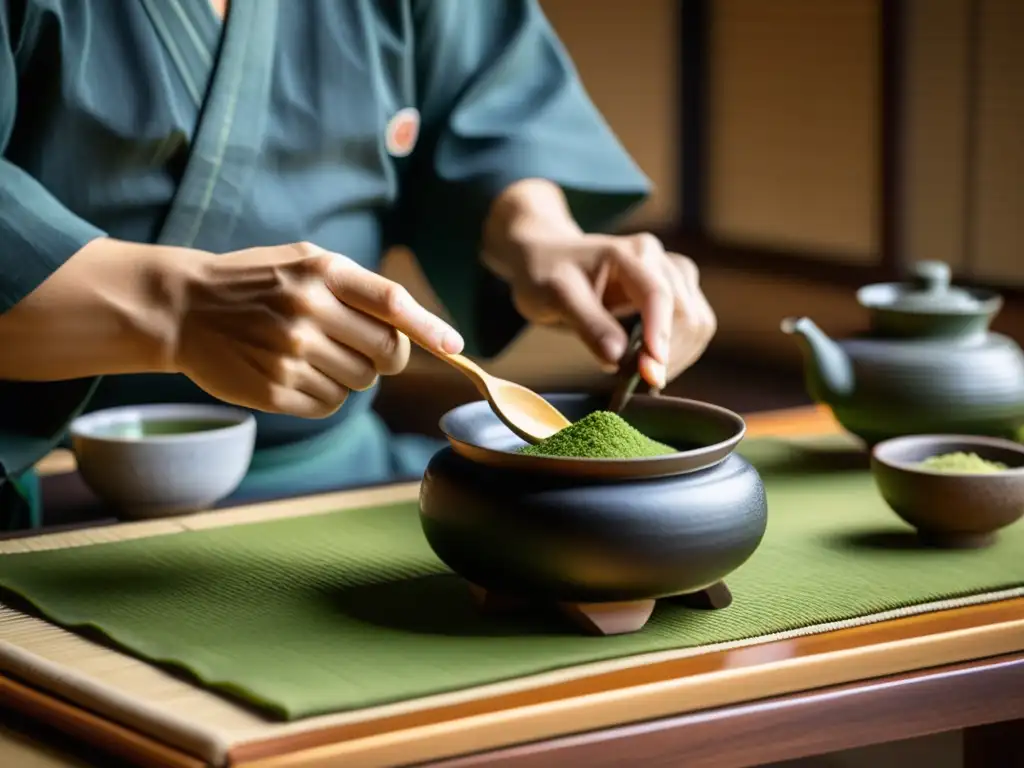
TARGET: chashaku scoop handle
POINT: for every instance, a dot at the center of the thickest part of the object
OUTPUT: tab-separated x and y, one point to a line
629	369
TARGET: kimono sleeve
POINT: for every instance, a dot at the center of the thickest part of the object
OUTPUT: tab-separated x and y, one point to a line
37	235
501	101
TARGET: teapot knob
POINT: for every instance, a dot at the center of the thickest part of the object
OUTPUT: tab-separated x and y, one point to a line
932	276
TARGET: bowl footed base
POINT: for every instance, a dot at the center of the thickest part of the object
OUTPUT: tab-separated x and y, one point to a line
604	618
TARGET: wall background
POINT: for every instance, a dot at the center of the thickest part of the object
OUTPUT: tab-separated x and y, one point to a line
795	139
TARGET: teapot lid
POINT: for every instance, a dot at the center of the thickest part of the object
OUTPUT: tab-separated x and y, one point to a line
930	292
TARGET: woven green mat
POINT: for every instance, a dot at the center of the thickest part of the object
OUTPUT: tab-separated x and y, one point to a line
351	609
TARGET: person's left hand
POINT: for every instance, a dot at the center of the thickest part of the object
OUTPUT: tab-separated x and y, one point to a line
565	277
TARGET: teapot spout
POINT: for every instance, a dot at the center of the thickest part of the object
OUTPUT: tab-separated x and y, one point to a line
827	367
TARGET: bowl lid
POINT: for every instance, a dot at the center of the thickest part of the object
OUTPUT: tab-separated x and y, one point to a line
930	292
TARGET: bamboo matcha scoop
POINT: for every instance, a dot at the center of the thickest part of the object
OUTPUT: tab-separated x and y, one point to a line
522	410
526	413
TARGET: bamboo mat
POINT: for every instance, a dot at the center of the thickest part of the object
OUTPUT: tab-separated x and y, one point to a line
156	703
199	722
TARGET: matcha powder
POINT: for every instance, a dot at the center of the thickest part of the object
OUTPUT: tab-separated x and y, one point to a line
962	462
599	435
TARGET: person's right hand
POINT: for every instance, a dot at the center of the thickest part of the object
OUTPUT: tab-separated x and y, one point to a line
292	329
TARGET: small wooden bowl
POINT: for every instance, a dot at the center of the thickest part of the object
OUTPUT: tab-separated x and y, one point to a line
951	509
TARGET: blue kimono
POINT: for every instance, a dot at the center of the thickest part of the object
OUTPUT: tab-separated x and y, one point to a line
155	121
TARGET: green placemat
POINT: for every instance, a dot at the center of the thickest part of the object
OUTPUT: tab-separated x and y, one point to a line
351	609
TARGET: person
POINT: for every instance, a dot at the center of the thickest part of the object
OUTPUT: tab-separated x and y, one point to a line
195	196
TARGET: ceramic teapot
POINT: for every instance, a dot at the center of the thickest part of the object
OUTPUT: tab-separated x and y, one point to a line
928	364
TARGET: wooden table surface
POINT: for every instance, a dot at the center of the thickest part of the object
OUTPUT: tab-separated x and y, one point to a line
940	671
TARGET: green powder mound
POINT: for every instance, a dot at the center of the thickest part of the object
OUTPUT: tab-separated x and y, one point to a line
962	462
599	435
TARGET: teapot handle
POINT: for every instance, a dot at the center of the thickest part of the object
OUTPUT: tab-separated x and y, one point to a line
932	276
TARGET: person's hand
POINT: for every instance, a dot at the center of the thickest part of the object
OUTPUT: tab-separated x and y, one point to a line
561	276
292	329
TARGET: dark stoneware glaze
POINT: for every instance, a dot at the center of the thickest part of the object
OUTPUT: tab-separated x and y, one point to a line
951	509
562	539
928	365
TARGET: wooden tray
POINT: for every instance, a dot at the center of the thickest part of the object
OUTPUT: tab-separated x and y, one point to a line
156	719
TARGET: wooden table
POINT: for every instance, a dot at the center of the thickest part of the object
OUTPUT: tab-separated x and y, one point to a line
942	671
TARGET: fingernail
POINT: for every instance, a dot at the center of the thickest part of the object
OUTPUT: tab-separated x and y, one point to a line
452	342
613	348
657	372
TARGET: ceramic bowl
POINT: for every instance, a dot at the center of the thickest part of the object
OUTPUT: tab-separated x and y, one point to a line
951	509
161	460
567	531
704	434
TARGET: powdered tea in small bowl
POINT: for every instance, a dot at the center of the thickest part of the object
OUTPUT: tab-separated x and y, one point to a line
962	463
956	490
